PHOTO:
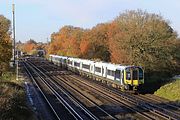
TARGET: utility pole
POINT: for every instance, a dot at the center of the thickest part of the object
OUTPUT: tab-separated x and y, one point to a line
17	66
14	41
14	33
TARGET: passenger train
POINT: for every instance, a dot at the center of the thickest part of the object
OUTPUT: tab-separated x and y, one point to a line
120	76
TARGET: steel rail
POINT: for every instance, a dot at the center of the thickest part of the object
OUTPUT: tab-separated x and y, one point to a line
86	98
29	73
145	104
61	100
74	101
159	111
138	112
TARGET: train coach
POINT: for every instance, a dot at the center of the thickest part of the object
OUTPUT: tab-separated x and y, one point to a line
59	60
120	76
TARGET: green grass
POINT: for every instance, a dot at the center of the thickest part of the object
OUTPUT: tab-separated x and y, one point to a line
13	104
170	91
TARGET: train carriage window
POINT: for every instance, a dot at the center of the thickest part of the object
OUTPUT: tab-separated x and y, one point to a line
97	69
111	73
86	66
108	72
76	64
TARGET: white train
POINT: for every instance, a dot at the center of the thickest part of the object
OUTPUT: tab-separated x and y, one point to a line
125	77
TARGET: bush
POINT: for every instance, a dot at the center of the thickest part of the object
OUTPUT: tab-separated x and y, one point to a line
13	99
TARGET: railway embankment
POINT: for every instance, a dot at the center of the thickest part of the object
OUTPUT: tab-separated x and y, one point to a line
13	103
170	91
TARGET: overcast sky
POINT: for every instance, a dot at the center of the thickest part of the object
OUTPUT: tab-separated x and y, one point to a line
37	19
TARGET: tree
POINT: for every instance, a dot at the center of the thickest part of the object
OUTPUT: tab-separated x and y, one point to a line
28	47
143	39
176	57
94	43
133	38
66	41
5	44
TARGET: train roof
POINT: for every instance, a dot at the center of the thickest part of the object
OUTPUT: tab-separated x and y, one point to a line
57	56
115	66
87	61
109	66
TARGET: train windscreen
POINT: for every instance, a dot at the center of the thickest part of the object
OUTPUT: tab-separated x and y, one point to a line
134	73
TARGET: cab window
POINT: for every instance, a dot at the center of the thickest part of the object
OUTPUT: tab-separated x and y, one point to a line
135	74
140	74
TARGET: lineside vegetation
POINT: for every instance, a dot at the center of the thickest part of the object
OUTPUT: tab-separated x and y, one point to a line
13	104
170	91
5	44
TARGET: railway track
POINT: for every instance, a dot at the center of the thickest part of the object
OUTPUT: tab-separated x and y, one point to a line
160	108
62	105
144	106
105	97
129	103
156	109
98	110
65	82
164	104
147	116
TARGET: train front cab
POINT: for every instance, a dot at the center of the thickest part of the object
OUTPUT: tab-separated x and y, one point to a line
133	77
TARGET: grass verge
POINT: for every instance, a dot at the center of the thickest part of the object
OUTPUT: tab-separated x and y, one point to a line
13	104
170	91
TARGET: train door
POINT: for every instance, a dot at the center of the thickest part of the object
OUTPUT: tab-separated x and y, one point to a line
91	68
135	76
106	72
117	75
102	72
94	68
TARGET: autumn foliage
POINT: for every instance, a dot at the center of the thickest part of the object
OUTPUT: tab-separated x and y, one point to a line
66	41
31	47
132	38
5	44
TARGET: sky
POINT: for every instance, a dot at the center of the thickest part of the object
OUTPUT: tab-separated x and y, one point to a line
38	19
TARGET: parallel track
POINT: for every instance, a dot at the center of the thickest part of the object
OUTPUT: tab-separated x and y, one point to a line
107	96
139	101
71	112
143	104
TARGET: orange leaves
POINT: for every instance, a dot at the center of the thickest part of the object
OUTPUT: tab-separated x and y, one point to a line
5	44
66	41
84	46
28	47
134	37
